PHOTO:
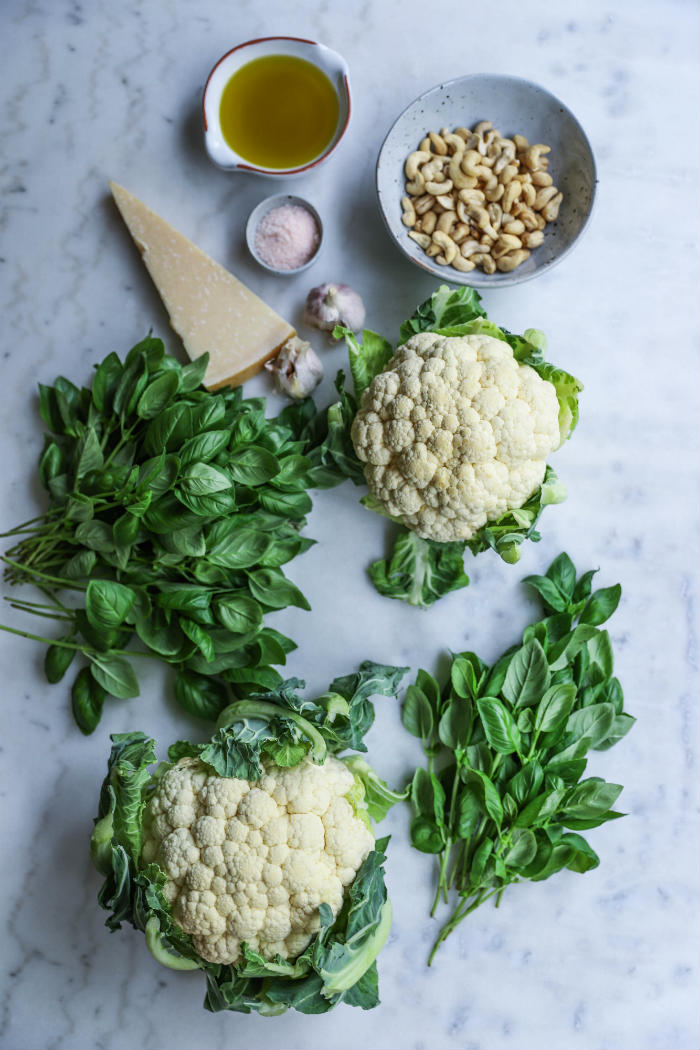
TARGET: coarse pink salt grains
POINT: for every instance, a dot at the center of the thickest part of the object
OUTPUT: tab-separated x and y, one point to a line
287	237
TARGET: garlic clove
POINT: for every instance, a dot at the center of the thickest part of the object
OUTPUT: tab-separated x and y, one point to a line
331	304
296	369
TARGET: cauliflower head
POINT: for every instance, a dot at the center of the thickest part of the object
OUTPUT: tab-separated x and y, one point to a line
252	861
455	432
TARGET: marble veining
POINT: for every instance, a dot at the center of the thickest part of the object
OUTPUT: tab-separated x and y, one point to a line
606	961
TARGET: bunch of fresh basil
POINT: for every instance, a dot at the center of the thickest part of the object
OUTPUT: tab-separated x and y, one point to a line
502	797
171	512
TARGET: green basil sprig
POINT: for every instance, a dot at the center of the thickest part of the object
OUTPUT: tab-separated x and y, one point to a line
171	513
503	795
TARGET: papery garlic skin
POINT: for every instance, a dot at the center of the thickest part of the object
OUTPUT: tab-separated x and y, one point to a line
331	304
296	369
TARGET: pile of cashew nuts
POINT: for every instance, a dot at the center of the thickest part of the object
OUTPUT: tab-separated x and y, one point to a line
475	198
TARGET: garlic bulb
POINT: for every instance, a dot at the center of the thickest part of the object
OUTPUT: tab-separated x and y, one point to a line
329	305
296	369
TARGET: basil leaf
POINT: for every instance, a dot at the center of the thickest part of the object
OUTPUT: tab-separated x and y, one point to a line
202	448
57	660
499	725
601	605
157	395
455	725
107	603
239	613
114	674
554	707
253	466
416	714
202	479
87	698
527	676
272	588
200	695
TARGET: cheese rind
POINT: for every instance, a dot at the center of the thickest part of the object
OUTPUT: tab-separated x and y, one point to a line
210	309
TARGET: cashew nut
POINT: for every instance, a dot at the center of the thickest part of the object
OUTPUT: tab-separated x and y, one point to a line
495	215
494	190
551	209
534	156
455	171
414	161
416	186
446	222
463	265
460	232
515	226
438	143
468	248
420	238
450	249
428	222
511	194
436	188
455	141
543	197
533	239
475	198
506	242
424	203
481	218
508	262
408	217
529	194
485	260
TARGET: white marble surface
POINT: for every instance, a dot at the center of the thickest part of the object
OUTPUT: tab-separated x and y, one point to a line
93	91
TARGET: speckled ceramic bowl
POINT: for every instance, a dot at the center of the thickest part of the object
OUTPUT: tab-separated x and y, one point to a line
257	215
515	107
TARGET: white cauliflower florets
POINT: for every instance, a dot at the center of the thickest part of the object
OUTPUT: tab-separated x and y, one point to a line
253	861
454	433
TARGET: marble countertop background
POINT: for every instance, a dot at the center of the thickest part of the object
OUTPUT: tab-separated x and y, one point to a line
97	91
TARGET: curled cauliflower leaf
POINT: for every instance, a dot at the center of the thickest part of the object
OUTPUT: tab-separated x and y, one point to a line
454	432
253	861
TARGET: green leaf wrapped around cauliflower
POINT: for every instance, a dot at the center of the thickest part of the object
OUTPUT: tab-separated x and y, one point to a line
251	856
454	432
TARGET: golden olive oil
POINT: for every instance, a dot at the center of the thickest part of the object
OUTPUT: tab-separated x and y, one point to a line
278	112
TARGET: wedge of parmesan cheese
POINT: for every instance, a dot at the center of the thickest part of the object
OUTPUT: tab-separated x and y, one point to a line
210	309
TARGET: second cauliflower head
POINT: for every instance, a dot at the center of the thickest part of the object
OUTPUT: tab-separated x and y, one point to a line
253	861
455	432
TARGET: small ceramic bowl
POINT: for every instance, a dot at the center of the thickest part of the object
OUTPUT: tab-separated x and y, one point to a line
515	107
328	61
256	216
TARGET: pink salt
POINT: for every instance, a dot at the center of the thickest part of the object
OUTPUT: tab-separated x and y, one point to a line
286	237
